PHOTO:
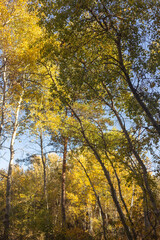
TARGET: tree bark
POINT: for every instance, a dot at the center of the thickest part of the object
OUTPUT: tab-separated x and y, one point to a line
44	170
123	201
132	148
9	176
63	195
107	175
105	28
134	91
135	153
4	86
143	167
98	200
119	189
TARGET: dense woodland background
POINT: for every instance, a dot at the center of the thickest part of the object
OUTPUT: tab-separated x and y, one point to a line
81	77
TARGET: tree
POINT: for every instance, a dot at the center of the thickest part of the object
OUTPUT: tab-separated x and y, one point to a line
9	176
102	55
16	58
87	76
121	24
3	97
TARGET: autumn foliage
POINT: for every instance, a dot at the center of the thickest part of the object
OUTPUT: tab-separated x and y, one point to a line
80	79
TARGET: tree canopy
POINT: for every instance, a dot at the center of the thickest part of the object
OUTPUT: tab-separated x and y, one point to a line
82	78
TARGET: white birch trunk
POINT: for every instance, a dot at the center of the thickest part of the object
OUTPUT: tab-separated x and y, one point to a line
10	168
4	79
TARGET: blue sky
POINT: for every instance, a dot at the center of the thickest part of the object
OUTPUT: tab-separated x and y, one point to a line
25	144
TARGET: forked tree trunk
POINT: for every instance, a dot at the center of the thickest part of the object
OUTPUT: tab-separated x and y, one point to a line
9	176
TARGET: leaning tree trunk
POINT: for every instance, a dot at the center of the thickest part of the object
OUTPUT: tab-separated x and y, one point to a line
123	201
98	201
119	189
135	153
9	176
108	177
134	91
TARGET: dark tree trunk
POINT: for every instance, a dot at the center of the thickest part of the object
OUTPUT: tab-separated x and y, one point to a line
44	170
98	201
134	91
135	153
63	196
107	175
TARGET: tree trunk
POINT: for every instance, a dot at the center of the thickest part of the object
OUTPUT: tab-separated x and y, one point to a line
9	177
63	195
122	67
132	200
145	211
135	153
143	167
4	86
131	146
134	91
44	170
119	188
98	201
107	175
123	201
